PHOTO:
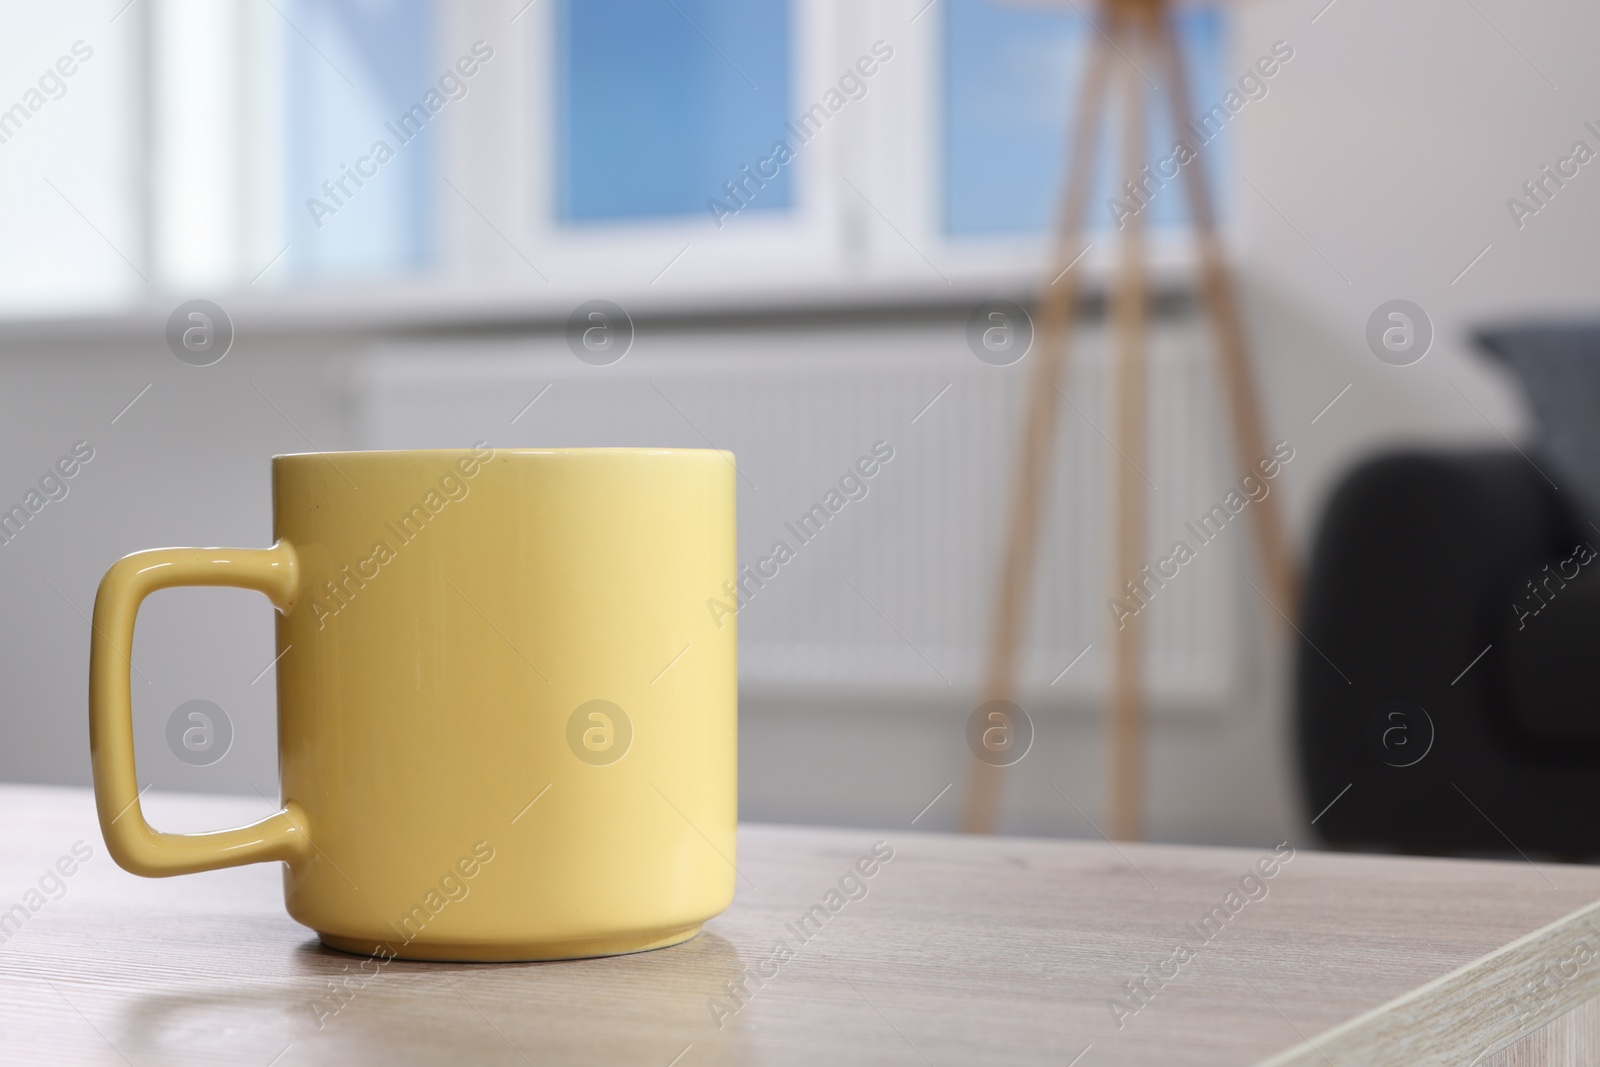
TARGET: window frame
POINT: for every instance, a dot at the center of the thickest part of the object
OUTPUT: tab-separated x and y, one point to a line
865	226
867	213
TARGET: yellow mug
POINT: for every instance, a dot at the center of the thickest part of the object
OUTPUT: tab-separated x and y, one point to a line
506	720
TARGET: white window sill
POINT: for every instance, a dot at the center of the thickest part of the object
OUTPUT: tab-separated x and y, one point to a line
449	304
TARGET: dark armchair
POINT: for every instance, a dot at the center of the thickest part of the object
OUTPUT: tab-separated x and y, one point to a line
1449	672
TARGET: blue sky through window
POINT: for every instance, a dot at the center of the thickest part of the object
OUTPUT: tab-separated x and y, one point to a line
377	60
1012	75
660	102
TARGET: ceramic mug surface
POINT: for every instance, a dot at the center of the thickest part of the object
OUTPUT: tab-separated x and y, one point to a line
506	716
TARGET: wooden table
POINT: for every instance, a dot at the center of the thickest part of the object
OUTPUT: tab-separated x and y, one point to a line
964	950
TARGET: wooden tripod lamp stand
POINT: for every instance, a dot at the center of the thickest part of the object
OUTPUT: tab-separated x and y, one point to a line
1128	28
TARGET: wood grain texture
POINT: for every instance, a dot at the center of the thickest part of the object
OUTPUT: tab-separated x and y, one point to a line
965	950
1478	1009
1570	1038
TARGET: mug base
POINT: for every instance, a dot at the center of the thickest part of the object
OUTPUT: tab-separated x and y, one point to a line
516	952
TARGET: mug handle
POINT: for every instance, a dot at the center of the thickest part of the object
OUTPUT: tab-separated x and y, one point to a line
130	840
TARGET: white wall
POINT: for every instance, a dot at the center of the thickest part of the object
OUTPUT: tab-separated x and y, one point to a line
187	464
1387	148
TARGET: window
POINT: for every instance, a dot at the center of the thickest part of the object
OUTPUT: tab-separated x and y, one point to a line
352	72
662	102
435	151
70	242
1011	77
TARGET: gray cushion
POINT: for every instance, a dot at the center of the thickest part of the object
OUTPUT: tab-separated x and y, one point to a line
1559	365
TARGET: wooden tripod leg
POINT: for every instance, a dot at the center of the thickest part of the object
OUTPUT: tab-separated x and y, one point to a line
1056	307
1126	733
1250	441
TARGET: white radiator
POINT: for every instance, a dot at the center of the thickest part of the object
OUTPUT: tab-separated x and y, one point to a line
896	591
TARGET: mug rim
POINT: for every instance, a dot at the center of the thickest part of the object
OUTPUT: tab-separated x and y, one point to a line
456	453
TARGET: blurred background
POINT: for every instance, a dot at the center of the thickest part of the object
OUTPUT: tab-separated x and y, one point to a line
400	206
